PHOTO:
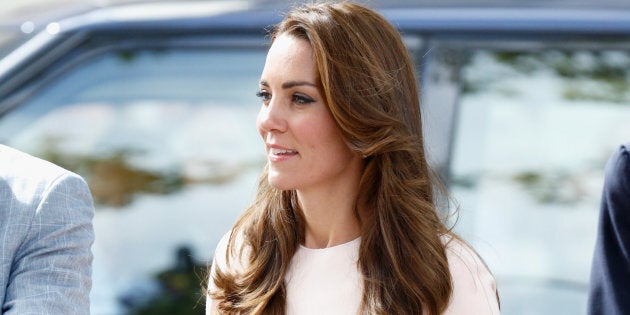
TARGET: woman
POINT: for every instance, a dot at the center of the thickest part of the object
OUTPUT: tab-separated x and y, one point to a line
344	220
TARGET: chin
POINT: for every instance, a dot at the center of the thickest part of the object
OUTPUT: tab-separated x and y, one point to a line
277	183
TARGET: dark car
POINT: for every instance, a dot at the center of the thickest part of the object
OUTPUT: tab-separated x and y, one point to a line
154	104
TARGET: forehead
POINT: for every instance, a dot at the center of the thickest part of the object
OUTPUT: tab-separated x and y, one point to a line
289	55
288	44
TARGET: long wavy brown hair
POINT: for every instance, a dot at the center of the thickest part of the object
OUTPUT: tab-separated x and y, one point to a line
370	86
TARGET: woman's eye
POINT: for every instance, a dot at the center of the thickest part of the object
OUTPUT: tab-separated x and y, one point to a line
302	99
263	95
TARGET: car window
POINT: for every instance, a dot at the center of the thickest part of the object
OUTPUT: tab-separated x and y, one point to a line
532	132
166	139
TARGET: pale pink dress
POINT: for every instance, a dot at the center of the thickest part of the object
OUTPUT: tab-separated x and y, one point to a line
327	281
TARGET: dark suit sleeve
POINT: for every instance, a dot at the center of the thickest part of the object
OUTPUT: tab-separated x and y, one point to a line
609	292
51	273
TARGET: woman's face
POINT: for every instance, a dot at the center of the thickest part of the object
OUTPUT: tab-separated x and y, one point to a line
304	146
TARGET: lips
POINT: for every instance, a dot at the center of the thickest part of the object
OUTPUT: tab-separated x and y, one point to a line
276	151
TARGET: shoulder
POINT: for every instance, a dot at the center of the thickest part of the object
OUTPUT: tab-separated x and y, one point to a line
33	181
618	170
220	252
474	286
42	195
225	262
47	212
29	175
23	164
227	255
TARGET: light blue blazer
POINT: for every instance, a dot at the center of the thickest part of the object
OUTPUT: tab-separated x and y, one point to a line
46	236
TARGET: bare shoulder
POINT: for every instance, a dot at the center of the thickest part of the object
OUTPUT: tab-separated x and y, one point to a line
474	286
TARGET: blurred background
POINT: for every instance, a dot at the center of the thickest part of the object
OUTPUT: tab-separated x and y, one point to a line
154	104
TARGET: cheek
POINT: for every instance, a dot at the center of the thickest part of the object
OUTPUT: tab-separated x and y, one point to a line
325	132
311	131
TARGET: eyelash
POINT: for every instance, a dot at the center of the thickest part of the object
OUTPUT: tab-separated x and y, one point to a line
296	98
263	95
302	99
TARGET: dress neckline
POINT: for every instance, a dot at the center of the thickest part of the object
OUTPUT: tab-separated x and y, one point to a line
352	243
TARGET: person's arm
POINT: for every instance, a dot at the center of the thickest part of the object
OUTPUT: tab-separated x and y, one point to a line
51	272
609	291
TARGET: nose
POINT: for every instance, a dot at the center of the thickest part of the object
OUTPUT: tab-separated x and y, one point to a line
271	117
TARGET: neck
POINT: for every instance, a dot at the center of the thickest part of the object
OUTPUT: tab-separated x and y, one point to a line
329	213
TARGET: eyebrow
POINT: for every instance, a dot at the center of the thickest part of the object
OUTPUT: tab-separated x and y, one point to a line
290	84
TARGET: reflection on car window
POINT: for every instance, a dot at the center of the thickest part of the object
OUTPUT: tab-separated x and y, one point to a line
533	133
168	144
